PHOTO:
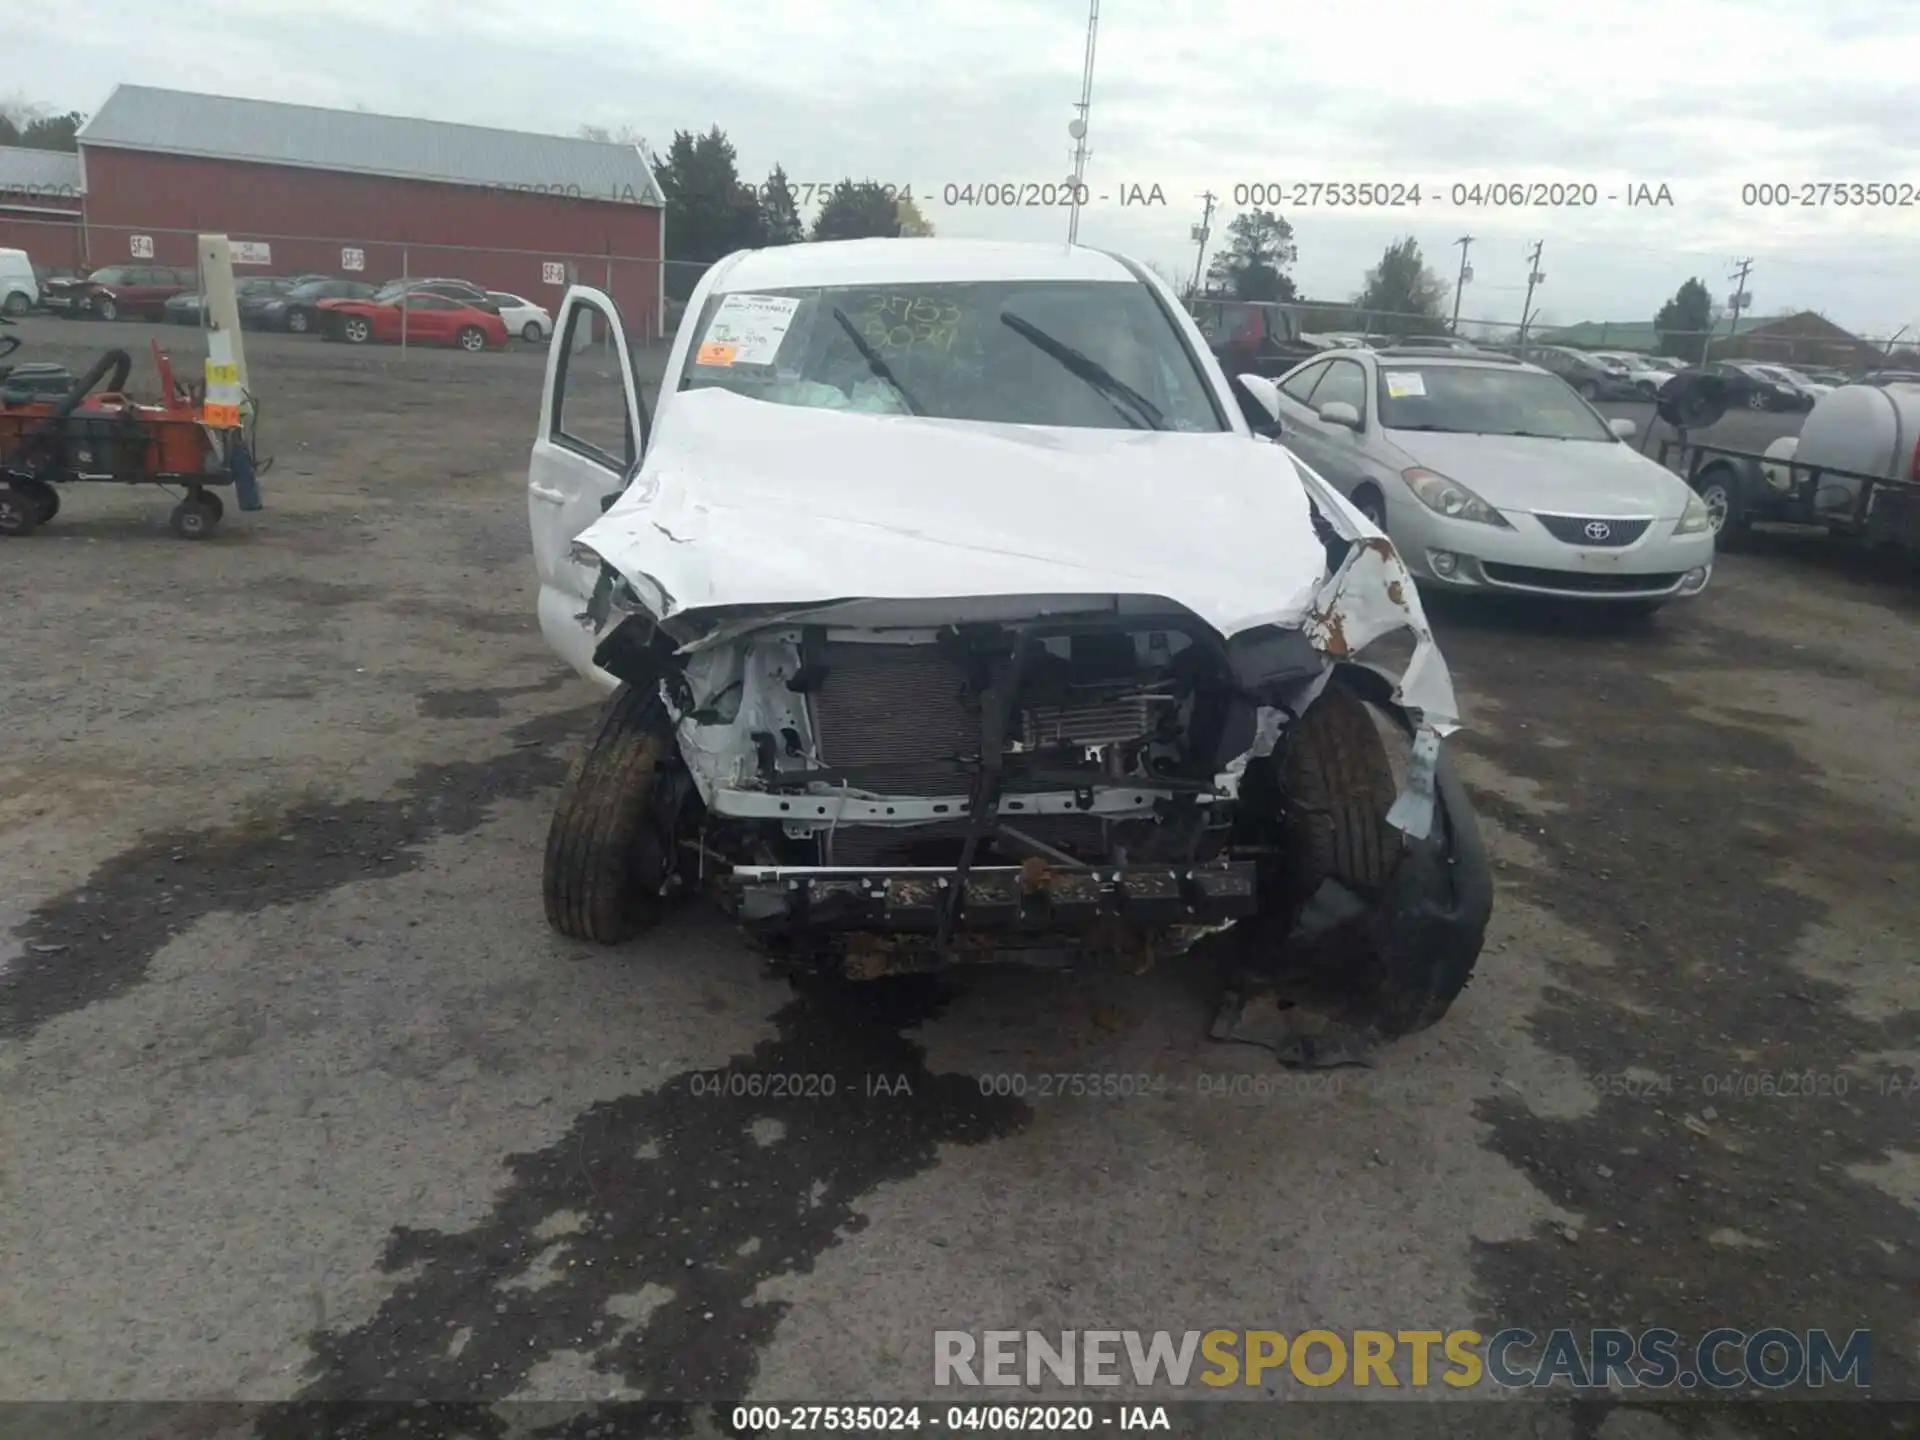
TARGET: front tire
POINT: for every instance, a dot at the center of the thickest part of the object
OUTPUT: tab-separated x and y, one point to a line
1370	503
532	333
297	322
611	857
472	339
1340	785
356	330
105	308
1756	400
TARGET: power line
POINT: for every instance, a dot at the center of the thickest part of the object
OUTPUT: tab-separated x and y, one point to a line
1466	273
1534	277
1201	233
1078	129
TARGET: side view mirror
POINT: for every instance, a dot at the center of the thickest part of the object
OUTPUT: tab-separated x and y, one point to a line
1625	429
1263	391
1339	412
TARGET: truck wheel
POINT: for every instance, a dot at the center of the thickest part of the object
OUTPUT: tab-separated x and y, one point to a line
16	303
1720	488
612	848
1340	785
19	515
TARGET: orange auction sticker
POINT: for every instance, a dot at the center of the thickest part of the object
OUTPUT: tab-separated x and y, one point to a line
716	354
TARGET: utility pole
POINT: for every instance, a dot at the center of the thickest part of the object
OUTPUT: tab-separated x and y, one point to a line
1201	234
1534	277
1736	302
1466	274
1077	128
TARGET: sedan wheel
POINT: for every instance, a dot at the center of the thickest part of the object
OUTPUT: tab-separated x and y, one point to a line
1589	390
473	339
1369	504
357	330
1757	400
104	308
532	333
297	321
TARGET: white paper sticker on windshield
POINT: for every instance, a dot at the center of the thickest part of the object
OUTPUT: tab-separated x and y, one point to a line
747	330
1403	383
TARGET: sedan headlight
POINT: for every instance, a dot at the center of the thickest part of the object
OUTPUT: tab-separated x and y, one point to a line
1694	518
1450	498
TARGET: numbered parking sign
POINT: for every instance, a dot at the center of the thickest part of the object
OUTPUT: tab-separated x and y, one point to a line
552	272
353	259
143	247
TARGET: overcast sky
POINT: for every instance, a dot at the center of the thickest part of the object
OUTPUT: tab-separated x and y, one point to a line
1700	95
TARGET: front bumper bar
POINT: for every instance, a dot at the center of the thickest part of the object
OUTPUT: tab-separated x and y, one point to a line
1033	898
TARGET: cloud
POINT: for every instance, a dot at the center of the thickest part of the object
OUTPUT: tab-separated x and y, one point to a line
1704	95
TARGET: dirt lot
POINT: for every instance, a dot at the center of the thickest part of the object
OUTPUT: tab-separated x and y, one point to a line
303	1100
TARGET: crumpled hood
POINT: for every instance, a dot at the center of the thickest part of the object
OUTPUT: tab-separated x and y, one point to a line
1567	477
743	502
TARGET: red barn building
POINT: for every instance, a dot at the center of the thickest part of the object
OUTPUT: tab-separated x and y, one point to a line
374	197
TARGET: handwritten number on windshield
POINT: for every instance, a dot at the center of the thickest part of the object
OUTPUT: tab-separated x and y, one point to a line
902	322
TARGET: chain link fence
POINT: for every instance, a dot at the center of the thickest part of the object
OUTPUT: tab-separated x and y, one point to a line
164	258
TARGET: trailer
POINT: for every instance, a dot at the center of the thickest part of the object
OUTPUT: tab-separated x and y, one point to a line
1853	470
89	431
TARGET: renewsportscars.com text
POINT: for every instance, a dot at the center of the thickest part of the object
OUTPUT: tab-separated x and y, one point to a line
1656	1358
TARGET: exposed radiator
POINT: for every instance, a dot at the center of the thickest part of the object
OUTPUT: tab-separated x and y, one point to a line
903	710
907	712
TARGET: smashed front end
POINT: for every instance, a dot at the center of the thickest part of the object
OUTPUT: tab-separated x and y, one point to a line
895	785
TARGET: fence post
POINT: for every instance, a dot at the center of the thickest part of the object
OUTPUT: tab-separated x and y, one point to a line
609	294
406	274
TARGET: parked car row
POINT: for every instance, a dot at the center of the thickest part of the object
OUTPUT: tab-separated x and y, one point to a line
428	310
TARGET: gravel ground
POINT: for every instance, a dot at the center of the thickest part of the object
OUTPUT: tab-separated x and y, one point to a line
305	1102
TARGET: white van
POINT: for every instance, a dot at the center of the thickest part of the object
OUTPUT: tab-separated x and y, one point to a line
19	290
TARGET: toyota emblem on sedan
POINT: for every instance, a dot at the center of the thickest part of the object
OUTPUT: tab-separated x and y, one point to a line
1598	530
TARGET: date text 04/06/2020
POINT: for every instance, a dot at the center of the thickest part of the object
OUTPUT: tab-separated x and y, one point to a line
1459	195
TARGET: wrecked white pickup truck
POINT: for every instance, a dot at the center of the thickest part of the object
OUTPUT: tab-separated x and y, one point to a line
953	611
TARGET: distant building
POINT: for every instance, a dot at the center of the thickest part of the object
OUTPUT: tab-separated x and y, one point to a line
343	192
40	209
1805	338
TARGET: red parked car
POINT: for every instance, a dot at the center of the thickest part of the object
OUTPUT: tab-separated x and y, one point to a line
430	320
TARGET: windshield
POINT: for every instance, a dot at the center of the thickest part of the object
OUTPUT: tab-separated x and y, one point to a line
1483	400
1085	354
109	276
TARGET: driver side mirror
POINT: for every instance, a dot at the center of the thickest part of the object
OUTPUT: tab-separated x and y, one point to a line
1339	412
1625	429
1265	393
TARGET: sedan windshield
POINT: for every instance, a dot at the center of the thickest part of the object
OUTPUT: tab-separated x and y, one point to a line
1484	400
1086	354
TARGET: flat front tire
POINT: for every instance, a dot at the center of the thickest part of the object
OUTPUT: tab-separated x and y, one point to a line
608	859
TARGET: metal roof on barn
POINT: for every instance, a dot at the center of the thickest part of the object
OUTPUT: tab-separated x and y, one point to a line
39	172
221	127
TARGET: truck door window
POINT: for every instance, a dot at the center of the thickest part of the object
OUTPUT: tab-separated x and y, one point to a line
590	401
